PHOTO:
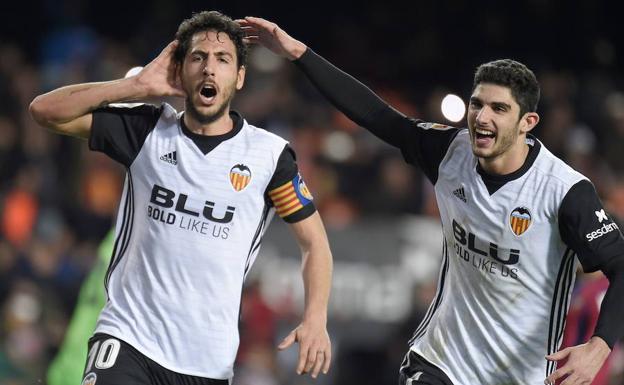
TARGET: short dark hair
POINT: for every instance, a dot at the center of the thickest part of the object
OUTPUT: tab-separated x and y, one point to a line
210	21
514	75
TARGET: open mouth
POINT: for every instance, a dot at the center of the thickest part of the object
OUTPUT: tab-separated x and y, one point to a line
208	92
484	134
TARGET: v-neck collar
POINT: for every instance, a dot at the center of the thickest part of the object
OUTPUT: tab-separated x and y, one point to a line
494	182
207	143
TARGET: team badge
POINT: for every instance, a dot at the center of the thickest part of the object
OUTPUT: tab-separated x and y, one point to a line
303	189
89	379
433	126
520	220
240	176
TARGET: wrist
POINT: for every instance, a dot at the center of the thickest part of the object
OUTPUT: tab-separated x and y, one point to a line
598	342
297	50
140	89
315	316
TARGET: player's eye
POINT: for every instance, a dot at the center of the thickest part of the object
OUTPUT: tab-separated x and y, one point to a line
475	104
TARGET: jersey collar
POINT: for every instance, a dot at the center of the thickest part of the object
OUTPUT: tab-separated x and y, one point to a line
495	182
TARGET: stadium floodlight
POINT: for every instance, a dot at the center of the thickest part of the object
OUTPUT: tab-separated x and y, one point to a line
453	108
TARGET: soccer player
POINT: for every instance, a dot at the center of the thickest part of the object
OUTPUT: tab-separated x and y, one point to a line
515	219
201	188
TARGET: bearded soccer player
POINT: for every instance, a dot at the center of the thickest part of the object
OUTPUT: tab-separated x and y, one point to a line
201	188
516	220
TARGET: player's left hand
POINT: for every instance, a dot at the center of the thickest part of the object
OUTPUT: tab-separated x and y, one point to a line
584	361
314	347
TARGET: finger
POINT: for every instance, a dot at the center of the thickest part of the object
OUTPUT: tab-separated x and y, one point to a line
171	47
311	361
289	340
258	21
557	374
327	363
303	358
558	355
251	40
320	359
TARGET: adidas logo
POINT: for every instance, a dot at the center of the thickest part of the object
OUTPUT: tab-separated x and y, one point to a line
171	157
460	194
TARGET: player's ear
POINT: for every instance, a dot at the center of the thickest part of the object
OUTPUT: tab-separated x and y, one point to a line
240	80
528	121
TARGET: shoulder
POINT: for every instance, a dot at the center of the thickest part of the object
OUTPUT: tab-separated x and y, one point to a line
262	136
459	146
558	171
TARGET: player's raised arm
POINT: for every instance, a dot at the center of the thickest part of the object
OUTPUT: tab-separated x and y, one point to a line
346	93
67	110
311	334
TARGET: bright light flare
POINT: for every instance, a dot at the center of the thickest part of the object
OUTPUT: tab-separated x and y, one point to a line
453	108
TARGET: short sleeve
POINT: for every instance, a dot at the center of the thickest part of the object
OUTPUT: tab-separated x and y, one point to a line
287	191
120	132
587	228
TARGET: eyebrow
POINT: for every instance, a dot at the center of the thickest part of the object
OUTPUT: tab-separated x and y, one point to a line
204	54
494	104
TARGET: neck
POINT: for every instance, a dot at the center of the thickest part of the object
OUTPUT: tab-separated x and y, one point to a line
221	125
508	162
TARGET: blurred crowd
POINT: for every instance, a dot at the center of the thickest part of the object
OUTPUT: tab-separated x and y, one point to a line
58	199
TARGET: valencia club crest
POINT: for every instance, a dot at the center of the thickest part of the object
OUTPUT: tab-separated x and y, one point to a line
240	176
520	220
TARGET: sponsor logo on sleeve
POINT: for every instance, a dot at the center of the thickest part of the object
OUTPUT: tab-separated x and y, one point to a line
605	229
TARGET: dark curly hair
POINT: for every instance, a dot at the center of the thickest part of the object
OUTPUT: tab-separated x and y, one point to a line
510	73
210	21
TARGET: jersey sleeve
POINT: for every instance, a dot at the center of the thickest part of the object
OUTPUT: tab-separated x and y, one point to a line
598	242
588	229
287	191
421	143
428	146
120	132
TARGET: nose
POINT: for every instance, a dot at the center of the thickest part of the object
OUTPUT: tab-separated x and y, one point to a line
209	67
483	115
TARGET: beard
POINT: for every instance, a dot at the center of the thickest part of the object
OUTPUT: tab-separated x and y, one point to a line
202	118
503	142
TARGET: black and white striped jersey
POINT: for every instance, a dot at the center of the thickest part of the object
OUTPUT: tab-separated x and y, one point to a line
189	227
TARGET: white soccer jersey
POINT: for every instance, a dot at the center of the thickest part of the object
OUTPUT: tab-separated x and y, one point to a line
189	228
506	278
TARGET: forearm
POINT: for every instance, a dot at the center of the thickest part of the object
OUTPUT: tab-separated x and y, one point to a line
71	102
610	325
317	272
354	99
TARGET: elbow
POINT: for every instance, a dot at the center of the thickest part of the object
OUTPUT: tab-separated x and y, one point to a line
43	113
40	111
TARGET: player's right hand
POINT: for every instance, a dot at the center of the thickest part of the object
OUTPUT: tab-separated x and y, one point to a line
161	76
270	35
314	347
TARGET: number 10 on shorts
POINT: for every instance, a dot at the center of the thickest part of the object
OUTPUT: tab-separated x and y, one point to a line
103	355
